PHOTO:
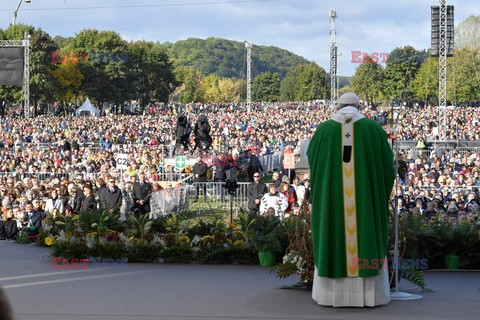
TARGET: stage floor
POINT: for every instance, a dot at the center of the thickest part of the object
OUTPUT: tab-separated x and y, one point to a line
185	291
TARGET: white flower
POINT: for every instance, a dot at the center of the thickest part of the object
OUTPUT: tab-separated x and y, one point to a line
196	239
156	239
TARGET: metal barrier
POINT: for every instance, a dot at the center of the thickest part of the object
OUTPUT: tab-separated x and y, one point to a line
167	201
93	146
216	196
452	189
271	161
41	176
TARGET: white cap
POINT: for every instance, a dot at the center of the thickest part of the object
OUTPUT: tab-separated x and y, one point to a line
350	99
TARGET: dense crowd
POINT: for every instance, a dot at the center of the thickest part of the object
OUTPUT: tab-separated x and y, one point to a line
52	164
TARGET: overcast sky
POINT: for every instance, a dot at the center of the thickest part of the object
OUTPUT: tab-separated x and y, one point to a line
300	26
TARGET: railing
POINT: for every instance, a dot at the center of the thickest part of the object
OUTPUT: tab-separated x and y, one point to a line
42	176
271	161
451	189
94	146
215	195
459	146
167	201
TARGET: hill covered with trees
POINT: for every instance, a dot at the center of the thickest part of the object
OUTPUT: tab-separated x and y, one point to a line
101	65
228	58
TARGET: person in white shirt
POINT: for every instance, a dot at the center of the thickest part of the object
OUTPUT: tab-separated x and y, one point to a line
299	190
273	199
53	204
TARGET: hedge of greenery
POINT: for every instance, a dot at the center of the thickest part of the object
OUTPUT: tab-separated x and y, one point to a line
188	238
177	238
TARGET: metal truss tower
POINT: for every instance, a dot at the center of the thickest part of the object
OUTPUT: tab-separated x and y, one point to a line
249	75
333	59
442	69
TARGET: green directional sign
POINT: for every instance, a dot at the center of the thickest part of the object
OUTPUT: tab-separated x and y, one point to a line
180	162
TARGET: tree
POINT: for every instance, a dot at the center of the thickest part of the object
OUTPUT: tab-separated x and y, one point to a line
367	80
463	82
69	79
304	83
467	33
221	90
227	58
190	89
229	89
425	84
107	77
151	72
266	87
289	84
210	88
402	67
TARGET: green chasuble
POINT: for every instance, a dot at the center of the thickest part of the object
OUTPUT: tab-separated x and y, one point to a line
370	181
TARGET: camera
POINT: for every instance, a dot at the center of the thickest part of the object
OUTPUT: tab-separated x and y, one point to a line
231	186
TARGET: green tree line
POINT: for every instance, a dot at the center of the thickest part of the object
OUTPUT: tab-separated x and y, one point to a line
411	75
102	66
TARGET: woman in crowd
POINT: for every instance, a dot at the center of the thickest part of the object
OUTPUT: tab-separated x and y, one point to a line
285	189
54	205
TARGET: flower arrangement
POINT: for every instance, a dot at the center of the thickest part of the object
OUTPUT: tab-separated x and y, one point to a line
299	257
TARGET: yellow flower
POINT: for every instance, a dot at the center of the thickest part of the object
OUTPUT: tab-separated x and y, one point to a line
110	231
91	234
184	239
48	241
232	225
238	243
208	238
238	232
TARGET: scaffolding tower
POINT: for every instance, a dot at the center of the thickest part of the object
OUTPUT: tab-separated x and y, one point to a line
249	75
333	60
442	68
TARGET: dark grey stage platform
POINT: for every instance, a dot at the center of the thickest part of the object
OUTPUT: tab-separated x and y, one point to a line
180	291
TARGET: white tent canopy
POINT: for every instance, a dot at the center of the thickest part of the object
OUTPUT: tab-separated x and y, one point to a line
87	109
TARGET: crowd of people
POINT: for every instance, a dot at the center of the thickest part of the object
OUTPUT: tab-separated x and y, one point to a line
68	164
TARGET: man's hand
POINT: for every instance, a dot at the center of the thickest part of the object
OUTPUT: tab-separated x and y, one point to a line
257	201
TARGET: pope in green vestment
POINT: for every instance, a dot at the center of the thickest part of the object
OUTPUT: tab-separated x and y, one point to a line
349	138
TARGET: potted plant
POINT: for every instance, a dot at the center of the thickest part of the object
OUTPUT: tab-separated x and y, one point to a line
267	241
